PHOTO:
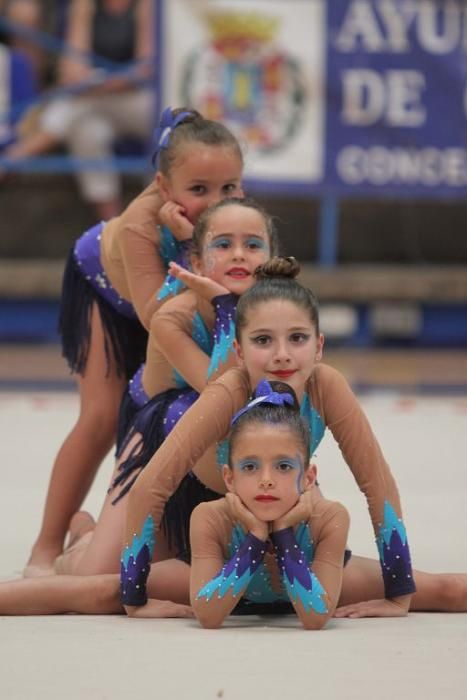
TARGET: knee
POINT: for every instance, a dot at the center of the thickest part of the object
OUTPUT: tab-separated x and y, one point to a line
106	598
455	592
108	594
449	592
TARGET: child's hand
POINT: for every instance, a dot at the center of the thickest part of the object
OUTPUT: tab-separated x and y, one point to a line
245	517
301	511
203	286
172	215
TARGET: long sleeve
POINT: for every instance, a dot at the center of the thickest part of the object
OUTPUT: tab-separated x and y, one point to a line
225	307
194	337
217	585
204	424
314	587
181	338
342	414
135	252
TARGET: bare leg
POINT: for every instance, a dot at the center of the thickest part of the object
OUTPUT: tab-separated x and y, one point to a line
170	580
99	551
168	588
81	523
362	581
96	595
37	143
82	452
54	595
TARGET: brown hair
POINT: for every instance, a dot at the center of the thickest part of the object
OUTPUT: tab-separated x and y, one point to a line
194	128
283	415
203	222
276	280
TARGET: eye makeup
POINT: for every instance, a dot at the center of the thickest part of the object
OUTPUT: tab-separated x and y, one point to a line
248	465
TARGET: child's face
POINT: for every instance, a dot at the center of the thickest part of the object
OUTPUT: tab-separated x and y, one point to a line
268	471
200	176
279	342
233	247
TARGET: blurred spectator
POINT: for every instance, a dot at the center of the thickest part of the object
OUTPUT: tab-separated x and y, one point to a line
17	88
105	73
29	15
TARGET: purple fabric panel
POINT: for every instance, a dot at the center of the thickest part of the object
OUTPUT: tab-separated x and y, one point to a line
87	255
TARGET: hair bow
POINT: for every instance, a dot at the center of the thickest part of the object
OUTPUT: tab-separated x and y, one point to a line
265	394
167	124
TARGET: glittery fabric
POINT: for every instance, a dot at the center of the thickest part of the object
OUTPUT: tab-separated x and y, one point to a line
260	588
125	339
225	307
152	422
135	565
316	564
314	421
238	571
136	389
203	339
299	581
87	255
172	250
178	407
394	555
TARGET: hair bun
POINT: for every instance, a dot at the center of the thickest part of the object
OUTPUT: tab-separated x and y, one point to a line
278	267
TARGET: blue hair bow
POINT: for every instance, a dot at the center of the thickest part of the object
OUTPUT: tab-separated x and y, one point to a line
265	394
167	124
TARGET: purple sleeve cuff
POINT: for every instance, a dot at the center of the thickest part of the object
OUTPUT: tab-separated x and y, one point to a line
298	579
225	306
236	574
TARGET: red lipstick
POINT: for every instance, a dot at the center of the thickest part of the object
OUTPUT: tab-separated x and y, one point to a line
284	373
239	272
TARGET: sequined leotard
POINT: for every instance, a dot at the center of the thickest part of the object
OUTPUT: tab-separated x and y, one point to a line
303	564
193	445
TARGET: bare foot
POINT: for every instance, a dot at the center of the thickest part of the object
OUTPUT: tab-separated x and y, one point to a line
160	608
43	557
41	561
81	523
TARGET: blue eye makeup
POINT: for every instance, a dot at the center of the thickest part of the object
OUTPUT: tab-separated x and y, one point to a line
247	465
220	243
254	242
287	464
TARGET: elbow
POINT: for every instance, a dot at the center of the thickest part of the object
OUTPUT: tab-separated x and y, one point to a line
208	620
315	622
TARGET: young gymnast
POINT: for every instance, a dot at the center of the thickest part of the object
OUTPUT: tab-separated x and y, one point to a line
230	240
278	338
114	281
219	528
191	337
273	542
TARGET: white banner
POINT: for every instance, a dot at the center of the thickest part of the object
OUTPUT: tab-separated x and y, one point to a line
258	66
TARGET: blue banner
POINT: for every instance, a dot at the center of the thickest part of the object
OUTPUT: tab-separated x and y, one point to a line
336	97
396	107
